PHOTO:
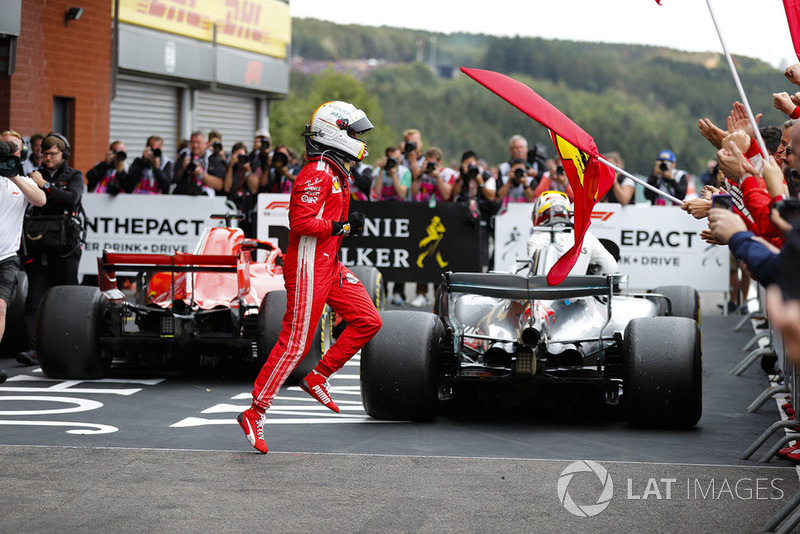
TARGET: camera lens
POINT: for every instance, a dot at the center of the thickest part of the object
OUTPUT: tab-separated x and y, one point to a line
519	173
157	152
430	167
242	159
120	155
663	166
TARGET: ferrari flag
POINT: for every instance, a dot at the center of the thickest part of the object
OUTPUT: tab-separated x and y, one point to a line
792	8
590	180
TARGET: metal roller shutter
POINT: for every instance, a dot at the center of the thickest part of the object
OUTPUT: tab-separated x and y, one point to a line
141	110
235	117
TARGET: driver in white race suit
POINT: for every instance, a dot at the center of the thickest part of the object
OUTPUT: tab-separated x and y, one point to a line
312	272
552	220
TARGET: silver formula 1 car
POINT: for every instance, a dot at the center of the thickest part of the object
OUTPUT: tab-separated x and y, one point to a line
509	329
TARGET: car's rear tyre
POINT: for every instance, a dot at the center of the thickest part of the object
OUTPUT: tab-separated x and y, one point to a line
685	301
662	372
399	366
372	280
270	323
68	328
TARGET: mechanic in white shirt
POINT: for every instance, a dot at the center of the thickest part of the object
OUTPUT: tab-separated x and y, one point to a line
16	192
552	217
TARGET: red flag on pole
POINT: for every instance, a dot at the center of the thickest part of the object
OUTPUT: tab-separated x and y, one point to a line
792	8
590	180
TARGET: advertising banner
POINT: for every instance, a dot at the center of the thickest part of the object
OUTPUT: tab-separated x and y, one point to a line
657	245
407	241
261	26
145	224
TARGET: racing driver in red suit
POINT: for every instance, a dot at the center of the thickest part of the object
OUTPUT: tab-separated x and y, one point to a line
313	274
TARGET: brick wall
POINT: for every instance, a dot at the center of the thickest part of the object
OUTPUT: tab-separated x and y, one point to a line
66	61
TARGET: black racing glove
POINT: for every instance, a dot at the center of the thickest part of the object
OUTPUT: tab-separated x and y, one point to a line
356	222
354	225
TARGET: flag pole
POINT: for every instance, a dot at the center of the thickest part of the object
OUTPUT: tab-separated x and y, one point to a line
654	189
738	83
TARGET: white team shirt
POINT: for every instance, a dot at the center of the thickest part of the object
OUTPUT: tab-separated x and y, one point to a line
12	211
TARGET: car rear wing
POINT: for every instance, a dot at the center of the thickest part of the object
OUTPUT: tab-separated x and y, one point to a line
110	262
512	286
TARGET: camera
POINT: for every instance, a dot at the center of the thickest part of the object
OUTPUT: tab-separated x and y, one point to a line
264	143
559	169
409	147
279	160
242	159
789	210
156	152
112	187
472	171
663	166
391	163
519	173
190	168
430	167
120	155
537	156
216	147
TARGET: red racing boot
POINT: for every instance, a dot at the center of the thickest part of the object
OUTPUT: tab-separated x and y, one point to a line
252	422
317	386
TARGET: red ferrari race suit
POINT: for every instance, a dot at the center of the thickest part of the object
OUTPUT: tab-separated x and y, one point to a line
314	276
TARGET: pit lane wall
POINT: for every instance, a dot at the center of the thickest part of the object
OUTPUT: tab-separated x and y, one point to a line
658	245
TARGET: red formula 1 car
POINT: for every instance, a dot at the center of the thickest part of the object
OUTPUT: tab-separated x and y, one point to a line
200	309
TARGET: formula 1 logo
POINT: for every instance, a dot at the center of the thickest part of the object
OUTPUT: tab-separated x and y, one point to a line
277	205
586	510
601	215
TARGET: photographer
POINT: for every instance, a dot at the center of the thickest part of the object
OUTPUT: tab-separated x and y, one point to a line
534	160
110	175
392	181
16	192
666	178
518	185
218	160
52	264
260	155
475	187
192	171
150	174
413	157
435	184
241	186
281	173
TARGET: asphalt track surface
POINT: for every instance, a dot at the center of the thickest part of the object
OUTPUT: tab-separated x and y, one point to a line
149	453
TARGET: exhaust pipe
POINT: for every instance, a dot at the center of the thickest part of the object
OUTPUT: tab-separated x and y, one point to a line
530	336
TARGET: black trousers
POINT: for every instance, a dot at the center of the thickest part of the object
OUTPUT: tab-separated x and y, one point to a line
45	270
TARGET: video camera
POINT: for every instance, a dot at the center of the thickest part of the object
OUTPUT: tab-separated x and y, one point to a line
10	165
537	156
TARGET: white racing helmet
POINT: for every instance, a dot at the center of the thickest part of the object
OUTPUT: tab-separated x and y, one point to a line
551	208
336	125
